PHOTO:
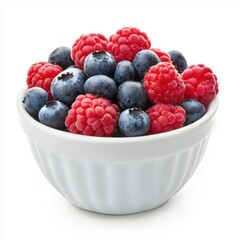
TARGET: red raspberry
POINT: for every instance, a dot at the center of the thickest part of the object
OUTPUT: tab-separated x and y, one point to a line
127	42
165	117
164	84
86	44
201	83
41	75
164	57
92	116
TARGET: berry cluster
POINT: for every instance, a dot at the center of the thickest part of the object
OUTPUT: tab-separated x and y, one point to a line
118	86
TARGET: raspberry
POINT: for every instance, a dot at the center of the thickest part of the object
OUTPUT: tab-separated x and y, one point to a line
164	57
201	83
41	74
127	42
164	84
86	44
92	116
165	117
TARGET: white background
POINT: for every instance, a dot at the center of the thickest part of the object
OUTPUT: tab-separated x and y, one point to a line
206	32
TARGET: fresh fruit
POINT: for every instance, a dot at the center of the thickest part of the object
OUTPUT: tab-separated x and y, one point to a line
163	56
127	42
72	66
143	60
99	63
86	44
41	75
34	99
53	114
133	122
201	83
101	85
92	116
178	60
61	56
164	84
194	110
124	71
165	117
100	78
67	85
131	94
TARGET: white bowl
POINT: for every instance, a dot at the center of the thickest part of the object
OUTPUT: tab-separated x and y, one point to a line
118	175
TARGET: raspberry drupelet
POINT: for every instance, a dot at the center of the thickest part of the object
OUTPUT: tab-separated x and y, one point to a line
164	56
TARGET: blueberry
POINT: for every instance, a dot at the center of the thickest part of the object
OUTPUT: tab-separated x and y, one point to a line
133	122
99	63
101	85
124	71
131	94
72	66
178	60
67	85
194	110
35	98
143	61
53	114
61	56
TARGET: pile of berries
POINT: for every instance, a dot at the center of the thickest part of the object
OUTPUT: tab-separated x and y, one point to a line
118	86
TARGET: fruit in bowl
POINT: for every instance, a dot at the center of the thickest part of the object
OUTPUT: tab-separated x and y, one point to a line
123	142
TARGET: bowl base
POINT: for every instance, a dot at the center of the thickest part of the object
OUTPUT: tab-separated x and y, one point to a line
119	213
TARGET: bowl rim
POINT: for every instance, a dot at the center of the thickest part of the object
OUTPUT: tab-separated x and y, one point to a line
211	110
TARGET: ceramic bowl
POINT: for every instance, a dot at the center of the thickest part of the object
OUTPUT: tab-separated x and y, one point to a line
118	175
